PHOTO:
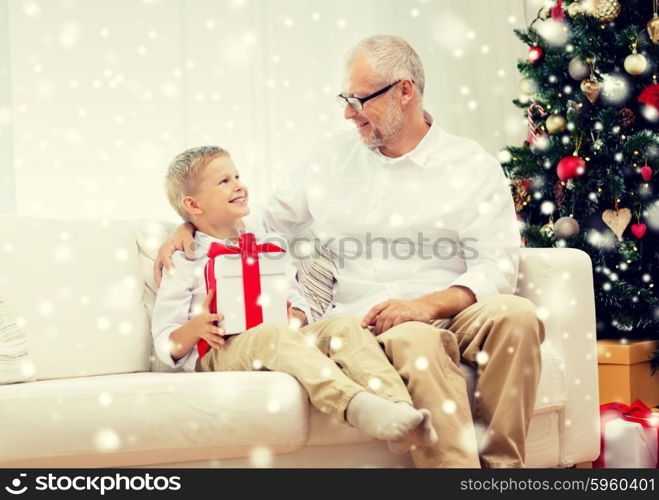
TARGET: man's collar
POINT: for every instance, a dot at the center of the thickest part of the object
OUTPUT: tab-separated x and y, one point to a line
419	155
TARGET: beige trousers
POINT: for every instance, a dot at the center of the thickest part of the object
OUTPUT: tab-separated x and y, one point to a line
500	337
332	359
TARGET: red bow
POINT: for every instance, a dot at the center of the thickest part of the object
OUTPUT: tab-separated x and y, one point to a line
557	11
249	256
637	412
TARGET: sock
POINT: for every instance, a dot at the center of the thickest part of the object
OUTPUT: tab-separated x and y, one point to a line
379	418
422	435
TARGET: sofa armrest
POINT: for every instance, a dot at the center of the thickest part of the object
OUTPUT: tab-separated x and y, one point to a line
559	281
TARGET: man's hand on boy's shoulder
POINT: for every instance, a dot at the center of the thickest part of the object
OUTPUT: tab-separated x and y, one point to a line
181	239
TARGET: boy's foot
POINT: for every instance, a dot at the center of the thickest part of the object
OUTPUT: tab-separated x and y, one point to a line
382	419
422	435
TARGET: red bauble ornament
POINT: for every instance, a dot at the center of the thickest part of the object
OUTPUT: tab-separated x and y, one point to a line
646	173
535	54
639	230
650	96
569	167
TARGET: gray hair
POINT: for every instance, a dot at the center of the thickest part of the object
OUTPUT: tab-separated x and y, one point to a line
184	174
391	58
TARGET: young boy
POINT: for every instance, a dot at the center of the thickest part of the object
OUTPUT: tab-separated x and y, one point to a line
334	360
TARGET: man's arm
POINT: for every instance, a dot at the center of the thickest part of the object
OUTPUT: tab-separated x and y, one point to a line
181	239
287	210
444	304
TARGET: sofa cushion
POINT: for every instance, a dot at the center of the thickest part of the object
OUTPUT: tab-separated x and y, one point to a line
552	395
77	288
151	234
148	418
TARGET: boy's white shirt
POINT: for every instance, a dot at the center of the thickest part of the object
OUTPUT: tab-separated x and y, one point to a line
182	293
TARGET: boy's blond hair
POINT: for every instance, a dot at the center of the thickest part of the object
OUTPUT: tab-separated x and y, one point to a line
184	174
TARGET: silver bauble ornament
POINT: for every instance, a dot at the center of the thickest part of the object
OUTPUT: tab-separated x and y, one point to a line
566	228
577	69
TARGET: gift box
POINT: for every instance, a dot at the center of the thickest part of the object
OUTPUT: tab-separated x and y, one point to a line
250	284
624	372
629	437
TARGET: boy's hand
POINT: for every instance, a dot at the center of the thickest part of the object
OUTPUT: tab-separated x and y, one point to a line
296	318
181	239
204	324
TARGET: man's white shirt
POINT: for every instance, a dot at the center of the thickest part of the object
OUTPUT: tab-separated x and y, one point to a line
438	216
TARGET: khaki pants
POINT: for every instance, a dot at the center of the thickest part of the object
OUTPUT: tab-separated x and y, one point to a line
332	359
507	332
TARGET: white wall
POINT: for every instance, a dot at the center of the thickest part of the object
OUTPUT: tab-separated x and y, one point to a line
7	180
103	94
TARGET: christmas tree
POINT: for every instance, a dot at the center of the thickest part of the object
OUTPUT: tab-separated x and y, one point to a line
586	177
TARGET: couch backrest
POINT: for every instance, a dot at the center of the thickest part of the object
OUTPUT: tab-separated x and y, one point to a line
78	288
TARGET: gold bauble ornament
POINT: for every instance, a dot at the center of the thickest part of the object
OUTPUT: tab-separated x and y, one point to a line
653	28
635	63
605	10
592	88
548	229
555	124
527	86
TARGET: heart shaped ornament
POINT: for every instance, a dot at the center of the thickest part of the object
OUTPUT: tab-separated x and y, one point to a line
592	88
617	220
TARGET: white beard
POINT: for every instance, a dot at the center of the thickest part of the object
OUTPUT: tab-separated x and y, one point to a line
388	131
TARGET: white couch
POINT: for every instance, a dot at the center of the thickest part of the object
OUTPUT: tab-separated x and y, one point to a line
84	291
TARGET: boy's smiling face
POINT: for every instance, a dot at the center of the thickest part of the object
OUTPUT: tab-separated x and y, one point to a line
220	197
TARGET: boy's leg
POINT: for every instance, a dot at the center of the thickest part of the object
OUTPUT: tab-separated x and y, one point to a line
278	348
360	356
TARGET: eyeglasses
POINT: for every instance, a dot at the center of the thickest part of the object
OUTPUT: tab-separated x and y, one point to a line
357	103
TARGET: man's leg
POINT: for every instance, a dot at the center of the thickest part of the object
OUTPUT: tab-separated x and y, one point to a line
506	331
427	360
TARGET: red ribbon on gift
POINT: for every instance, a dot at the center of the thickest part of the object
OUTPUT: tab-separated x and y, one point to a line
249	256
637	412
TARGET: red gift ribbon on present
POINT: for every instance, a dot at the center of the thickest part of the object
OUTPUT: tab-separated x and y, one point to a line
637	412
249	252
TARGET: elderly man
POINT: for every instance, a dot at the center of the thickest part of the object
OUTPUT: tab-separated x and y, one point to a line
423	228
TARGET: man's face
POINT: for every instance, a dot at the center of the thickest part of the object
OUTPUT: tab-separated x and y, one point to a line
382	118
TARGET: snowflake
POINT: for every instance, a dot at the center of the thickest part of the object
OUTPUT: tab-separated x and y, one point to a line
107	440
421	363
